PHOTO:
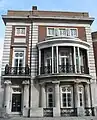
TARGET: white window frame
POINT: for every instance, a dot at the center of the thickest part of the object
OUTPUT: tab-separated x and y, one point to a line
48	95
18	50
63	28
64	56
20	33
48	31
61	92
76	32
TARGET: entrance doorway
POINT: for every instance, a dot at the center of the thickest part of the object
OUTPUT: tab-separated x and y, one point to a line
16	102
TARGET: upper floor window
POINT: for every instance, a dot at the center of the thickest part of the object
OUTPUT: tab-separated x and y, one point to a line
72	32
20	31
18	59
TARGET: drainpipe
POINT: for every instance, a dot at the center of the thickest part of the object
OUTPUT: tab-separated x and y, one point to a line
30	67
90	94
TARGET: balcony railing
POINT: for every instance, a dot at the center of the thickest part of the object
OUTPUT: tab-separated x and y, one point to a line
89	111
48	112
46	69
17	70
68	112
64	69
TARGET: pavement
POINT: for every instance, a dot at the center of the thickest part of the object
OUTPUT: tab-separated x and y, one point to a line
50	118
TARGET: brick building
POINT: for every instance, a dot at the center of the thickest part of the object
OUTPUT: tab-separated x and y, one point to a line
48	66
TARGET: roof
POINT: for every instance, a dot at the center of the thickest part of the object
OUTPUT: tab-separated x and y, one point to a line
94	35
41	14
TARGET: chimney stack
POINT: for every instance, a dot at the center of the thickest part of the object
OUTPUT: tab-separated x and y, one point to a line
34	7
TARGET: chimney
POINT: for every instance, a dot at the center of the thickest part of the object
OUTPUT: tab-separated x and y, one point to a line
34	7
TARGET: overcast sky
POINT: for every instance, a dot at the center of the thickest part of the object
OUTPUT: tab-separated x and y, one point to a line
62	5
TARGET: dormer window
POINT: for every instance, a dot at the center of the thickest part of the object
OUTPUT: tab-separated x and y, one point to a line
20	31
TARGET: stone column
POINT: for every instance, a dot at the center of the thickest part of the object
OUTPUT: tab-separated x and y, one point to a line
43	96
56	110
76	95
74	58
7	91
25	98
39	62
52	59
79	67
57	59
87	95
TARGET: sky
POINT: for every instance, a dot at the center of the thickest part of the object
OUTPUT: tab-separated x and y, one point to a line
59	5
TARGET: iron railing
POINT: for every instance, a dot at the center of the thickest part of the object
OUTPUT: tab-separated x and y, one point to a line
66	69
46	69
48	112
68	112
89	111
17	70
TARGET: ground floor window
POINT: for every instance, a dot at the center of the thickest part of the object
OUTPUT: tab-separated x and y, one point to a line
81	95
50	96
66	96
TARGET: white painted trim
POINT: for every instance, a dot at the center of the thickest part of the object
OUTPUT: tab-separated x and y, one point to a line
18	49
58	29
62	24
63	41
20	28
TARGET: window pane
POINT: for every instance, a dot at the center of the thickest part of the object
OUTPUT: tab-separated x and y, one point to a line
22	30
64	99
73	32
18	30
16	62
69	99
51	31
80	99
50	100
50	104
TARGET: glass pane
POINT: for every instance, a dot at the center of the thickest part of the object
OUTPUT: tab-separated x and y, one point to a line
50	100
20	63
50	89
16	62
16	54
21	54
51	31
73	32
50	104
69	99
64	99
18	30
48	62
80	99
64	89
22	30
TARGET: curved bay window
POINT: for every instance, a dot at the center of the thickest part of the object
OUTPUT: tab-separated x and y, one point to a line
63	59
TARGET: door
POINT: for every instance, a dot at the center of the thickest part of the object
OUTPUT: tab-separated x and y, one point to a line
16	102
